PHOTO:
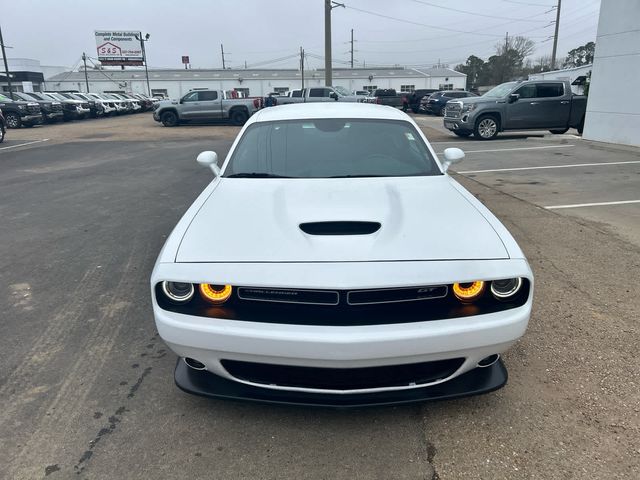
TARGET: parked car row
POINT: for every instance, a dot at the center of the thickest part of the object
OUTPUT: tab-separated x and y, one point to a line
33	108
436	102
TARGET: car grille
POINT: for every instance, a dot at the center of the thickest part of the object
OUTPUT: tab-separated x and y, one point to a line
334	297
85	105
56	108
343	378
33	109
453	110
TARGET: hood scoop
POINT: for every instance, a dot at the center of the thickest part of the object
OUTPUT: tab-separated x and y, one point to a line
340	228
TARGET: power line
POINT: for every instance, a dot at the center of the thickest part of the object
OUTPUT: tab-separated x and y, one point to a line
530	4
411	22
476	13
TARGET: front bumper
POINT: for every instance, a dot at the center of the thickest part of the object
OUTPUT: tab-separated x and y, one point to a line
474	382
31	119
53	115
463	123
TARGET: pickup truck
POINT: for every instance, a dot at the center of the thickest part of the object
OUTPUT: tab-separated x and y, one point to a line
18	113
318	94
51	110
201	105
529	105
389	97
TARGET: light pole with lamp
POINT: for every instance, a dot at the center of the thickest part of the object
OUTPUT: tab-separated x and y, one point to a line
144	57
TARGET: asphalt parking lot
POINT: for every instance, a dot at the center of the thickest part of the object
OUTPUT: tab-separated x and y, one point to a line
86	385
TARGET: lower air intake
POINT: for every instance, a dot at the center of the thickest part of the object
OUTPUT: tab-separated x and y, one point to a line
342	378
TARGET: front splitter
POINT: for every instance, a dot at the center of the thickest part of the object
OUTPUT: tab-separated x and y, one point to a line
474	382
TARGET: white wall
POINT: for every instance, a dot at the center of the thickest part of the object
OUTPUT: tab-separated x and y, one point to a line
613	108
257	87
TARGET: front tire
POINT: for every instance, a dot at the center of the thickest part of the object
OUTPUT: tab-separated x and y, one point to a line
486	128
1	135
169	119
13	120
239	117
559	131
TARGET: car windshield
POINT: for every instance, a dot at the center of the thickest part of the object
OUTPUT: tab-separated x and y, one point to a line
22	96
342	91
330	148
501	90
56	96
5	98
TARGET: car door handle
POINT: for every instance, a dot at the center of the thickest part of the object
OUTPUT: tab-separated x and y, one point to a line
534	103
565	101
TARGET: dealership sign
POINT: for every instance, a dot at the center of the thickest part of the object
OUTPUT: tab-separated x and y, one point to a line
119	47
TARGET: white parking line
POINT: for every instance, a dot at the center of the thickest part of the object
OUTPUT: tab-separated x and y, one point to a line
514	149
578	205
549	166
23	144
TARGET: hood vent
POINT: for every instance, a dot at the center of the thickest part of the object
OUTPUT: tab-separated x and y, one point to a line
340	228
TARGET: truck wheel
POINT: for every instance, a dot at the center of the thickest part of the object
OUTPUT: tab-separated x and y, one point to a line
169	119
559	131
239	117
13	120
463	134
486	128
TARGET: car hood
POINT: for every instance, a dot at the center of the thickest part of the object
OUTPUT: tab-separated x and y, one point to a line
470	100
258	220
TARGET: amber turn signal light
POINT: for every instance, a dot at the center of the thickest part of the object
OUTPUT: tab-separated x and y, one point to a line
216	294
468	292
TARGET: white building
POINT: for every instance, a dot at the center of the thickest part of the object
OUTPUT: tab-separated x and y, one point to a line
613	108
176	83
577	76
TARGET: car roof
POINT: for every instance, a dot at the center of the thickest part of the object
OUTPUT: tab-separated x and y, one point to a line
328	110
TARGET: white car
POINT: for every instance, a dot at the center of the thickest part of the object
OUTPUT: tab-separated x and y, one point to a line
333	261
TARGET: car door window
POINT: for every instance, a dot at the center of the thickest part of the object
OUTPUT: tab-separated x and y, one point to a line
319	92
546	90
190	97
526	91
207	96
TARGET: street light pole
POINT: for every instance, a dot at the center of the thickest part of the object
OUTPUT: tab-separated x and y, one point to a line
144	58
6	66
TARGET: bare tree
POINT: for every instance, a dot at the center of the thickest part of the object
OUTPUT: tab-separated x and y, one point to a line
521	46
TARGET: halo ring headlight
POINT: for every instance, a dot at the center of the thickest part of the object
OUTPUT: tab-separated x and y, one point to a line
178	292
216	294
468	292
506	288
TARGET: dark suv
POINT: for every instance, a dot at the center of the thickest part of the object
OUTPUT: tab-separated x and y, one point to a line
17	112
415	97
51	110
436	102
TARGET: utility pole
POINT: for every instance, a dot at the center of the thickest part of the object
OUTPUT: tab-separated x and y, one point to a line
86	78
352	48
555	37
328	6
222	51
302	66
505	57
143	40
6	66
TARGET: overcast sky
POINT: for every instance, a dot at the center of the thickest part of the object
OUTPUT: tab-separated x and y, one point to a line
257	31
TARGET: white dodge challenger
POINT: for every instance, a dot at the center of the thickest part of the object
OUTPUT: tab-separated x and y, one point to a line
333	261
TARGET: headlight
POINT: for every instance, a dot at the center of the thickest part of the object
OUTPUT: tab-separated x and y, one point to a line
178	292
216	294
22	107
467	292
469	107
507	288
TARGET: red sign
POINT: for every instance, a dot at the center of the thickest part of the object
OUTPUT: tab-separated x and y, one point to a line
185	59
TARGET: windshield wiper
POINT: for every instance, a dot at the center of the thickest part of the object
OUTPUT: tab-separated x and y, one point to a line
256	175
359	176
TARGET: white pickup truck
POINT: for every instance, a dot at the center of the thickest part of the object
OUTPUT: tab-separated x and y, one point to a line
318	94
204	105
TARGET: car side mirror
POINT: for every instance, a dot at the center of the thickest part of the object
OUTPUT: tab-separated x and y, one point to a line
513	97
451	156
209	159
334	95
